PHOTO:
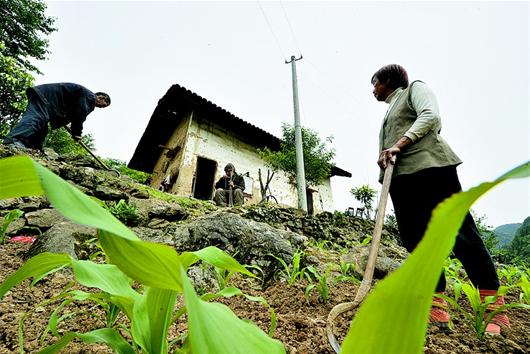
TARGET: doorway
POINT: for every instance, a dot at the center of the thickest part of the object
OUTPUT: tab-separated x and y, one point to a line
309	197
204	178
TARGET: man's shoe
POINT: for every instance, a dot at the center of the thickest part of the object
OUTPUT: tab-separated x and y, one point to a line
498	321
439	316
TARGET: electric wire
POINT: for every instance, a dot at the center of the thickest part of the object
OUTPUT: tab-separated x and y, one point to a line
272	31
291	28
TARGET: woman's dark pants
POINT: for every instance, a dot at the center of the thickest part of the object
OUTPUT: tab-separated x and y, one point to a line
415	196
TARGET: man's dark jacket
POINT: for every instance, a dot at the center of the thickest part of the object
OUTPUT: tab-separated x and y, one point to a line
66	103
238	180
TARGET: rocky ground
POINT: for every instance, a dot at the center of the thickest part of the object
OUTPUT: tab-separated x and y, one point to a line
248	233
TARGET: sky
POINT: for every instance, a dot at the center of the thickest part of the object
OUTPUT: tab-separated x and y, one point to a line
473	55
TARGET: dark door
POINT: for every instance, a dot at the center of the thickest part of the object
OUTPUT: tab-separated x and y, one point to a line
309	197
204	178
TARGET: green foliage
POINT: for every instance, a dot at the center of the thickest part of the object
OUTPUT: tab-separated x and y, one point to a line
402	300
318	158
480	317
62	143
366	196
525	290
121	166
318	281
212	327
509	274
125	212
390	220
293	271
347	273
14	80
8	219
23	28
519	248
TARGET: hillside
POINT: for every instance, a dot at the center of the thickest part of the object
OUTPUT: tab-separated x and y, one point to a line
334	245
505	233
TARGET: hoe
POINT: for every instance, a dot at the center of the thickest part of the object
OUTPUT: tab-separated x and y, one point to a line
364	288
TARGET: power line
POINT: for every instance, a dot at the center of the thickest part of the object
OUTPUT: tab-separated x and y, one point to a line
272	31
291	28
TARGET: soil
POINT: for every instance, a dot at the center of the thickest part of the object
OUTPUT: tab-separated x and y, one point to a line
301	324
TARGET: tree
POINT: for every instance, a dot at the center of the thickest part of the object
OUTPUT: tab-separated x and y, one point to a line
61	141
365	195
491	241
23	30
318	158
519	248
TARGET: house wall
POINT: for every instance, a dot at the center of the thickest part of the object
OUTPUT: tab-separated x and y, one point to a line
210	141
168	166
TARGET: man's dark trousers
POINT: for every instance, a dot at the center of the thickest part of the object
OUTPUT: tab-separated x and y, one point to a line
414	196
32	128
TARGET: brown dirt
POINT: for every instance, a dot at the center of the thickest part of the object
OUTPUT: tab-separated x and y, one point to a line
301	324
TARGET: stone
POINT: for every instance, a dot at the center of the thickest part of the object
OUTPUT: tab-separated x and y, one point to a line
44	218
250	242
61	238
107	193
389	258
140	194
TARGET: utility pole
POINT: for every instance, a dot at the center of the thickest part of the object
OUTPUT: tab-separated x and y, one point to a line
300	174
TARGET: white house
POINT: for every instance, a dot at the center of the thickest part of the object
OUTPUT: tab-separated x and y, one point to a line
189	140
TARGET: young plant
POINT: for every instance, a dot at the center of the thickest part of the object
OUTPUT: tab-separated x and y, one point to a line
292	271
510	273
212	327
347	273
524	296
320	284
480	317
8	219
125	212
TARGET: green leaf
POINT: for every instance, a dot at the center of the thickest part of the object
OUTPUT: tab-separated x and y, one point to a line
19	178
213	328
110	337
152	318
401	302
217	258
35	267
152	264
106	277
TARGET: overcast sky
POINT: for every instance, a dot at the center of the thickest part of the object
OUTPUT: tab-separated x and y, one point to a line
474	55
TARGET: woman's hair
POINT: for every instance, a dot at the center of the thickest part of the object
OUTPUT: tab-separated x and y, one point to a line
103	94
393	75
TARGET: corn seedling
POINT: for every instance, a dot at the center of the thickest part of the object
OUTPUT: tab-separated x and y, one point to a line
480	316
524	284
319	282
8	219
212	327
510	274
347	273
292	271
453	270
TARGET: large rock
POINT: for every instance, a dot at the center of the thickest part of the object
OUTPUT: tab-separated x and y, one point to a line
62	238
150	209
44	218
389	258
250	242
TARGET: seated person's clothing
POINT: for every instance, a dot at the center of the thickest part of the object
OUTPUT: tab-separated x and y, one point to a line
222	190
